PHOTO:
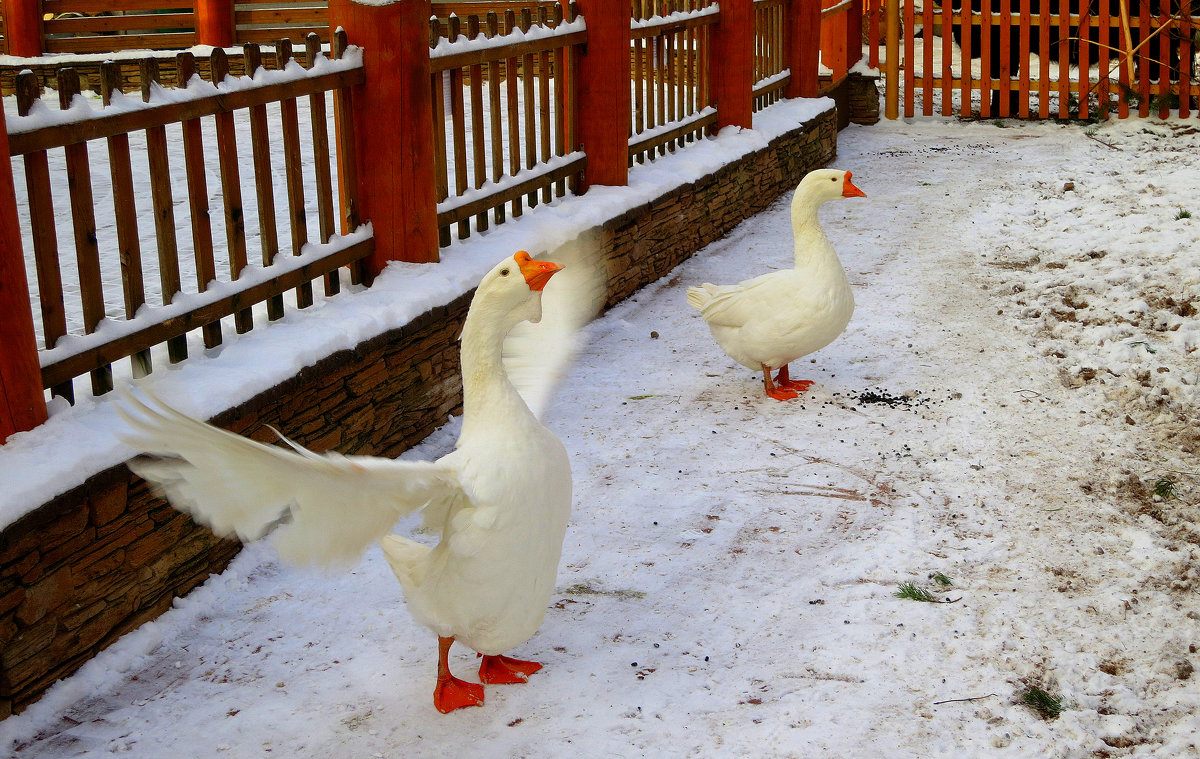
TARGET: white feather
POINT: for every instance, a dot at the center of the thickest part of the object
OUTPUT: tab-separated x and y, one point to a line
332	506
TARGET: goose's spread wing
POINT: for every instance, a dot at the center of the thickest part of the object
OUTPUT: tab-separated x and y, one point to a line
537	356
735	305
330	506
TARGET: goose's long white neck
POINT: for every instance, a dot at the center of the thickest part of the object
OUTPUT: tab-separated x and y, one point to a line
490	401
812	247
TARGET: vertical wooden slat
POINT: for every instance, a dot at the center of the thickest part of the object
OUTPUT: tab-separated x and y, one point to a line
231	187
964	35
660	84
478	138
125	215
45	239
197	184
947	15
1124	82
544	102
1004	80
1085	57
530	106
495	109
578	180
1185	60
264	187
164	209
458	123
322	170
910	59
1025	47
1064	70
437	86
560	107
639	91
1043	59
1164	55
83	223
511	76
1144	60
927	59
293	173
669	76
1104	83
343	104
985	56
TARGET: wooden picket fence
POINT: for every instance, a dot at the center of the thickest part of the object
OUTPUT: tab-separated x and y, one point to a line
94	353
518	131
503	110
1026	59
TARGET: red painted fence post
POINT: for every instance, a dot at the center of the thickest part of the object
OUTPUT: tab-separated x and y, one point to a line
733	64
803	47
214	23
22	402
604	109
393	128
854	31
23	27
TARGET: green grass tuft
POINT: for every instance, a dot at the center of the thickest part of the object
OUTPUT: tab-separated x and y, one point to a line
942	579
913	593
1166	488
1183	214
1042	702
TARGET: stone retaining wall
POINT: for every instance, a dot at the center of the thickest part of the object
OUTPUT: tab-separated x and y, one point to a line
101	559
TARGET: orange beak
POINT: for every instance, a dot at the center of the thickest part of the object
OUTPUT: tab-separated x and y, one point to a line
849	190
536	273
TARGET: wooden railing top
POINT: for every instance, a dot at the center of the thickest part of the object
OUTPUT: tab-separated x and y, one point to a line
45	128
451	54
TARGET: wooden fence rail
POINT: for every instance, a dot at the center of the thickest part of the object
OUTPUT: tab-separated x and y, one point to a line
500	129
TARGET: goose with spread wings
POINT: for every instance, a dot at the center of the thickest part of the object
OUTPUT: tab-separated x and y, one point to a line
499	502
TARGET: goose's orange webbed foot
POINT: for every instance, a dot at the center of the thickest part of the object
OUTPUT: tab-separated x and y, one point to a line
779	393
450	693
783	380
505	670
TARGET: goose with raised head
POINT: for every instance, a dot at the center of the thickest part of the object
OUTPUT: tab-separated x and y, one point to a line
499	502
769	321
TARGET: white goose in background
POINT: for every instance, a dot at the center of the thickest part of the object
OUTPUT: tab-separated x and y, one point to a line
769	321
500	501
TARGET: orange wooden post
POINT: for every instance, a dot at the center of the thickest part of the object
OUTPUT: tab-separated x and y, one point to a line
22	402
854	29
23	27
604	109
732	64
833	39
802	46
214	23
392	128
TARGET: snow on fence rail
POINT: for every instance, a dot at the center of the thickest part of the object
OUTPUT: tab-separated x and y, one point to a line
108	336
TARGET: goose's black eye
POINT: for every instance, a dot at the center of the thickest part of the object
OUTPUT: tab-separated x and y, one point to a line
833	179
504	272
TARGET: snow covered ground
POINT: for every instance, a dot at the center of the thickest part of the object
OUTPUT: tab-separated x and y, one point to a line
1019	378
